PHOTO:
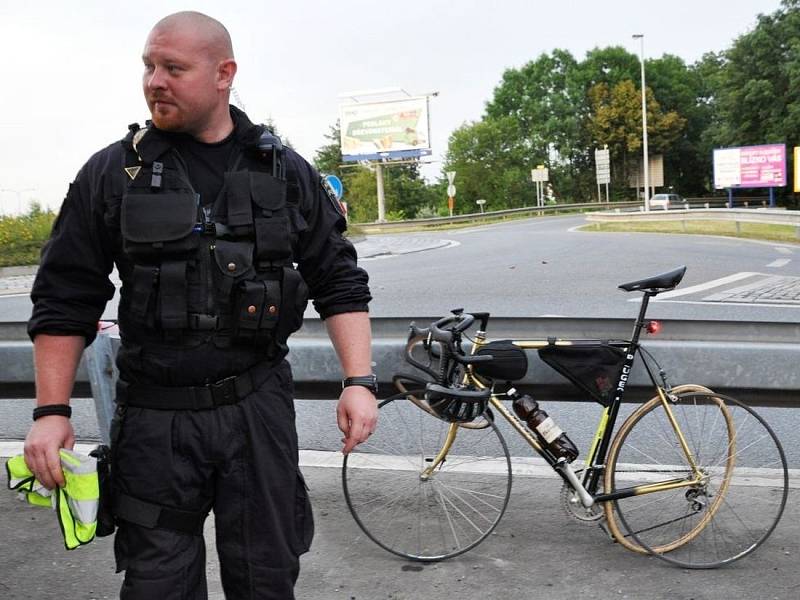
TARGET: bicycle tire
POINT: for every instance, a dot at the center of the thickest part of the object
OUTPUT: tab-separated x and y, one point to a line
427	519
735	509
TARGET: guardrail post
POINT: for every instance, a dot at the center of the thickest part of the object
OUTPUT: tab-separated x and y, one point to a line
103	375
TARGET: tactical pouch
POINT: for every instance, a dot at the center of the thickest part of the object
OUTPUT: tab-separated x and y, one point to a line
105	513
159	224
295	300
234	262
257	308
271	219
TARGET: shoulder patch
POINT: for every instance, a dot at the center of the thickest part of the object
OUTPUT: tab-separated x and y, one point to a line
331	196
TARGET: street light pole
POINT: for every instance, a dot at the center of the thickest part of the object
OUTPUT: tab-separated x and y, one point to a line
645	158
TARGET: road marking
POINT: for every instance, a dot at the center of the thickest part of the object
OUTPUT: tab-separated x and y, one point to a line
783	250
726	303
780	262
703	286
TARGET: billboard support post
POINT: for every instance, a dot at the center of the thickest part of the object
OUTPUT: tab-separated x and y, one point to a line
381	197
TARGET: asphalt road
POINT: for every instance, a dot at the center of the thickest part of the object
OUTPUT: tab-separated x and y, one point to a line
537	267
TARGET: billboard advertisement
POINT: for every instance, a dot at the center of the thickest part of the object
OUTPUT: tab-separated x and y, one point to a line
750	166
393	129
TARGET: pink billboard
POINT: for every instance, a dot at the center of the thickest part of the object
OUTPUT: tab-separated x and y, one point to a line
750	166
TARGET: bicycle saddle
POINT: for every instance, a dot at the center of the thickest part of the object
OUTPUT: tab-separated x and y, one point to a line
657	283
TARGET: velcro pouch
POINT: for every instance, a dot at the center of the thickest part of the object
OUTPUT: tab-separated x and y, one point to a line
268	192
159	224
239	205
256	310
295	300
234	261
272	228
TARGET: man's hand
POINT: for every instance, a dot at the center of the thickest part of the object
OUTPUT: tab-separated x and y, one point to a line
356	415
45	438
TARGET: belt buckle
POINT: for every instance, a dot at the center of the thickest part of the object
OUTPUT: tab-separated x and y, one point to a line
224	391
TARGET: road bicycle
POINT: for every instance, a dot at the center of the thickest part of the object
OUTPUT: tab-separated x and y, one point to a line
694	477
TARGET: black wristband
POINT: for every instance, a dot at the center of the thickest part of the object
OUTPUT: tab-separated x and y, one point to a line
62	410
368	381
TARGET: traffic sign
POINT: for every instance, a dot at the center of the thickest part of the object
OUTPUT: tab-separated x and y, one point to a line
451	175
336	185
540	174
602	163
451	190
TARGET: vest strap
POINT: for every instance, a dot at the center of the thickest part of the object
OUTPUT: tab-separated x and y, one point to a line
172	294
144	283
155	516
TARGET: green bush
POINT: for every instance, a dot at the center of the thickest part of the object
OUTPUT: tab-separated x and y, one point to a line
21	238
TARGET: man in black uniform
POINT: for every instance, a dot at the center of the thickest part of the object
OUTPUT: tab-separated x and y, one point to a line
219	235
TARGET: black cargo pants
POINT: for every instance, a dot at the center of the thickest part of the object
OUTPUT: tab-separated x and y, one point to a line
238	460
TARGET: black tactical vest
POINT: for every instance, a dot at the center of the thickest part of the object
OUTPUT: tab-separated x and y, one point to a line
225	271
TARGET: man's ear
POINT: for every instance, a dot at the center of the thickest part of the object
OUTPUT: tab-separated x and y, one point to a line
226	70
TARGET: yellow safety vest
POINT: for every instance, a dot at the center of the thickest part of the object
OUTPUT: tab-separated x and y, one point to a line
75	504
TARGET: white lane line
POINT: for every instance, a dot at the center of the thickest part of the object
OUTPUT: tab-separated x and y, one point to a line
726	303
780	262
703	286
783	250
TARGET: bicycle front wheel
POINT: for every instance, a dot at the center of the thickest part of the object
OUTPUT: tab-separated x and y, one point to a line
420	514
723	480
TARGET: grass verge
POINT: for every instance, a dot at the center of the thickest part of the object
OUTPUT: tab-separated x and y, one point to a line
753	231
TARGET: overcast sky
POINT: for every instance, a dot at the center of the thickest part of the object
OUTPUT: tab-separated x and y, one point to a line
71	83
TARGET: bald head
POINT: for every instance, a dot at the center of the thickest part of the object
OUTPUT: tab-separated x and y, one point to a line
188	74
209	33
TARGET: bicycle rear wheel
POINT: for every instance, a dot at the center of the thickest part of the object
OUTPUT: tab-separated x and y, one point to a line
427	517
735	506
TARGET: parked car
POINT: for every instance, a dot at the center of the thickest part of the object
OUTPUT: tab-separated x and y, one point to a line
664	200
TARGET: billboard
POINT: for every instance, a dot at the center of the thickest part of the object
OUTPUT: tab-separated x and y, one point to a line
750	166
655	169
392	129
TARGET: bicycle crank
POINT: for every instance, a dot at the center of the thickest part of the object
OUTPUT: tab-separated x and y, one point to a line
574	507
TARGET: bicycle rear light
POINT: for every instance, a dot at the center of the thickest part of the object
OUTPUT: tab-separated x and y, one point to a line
654	327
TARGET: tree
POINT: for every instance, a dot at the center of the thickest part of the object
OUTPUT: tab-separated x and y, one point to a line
758	98
492	160
328	158
617	121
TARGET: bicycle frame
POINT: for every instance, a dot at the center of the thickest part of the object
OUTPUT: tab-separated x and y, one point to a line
587	487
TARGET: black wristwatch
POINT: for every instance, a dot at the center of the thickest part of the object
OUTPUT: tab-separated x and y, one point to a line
368	381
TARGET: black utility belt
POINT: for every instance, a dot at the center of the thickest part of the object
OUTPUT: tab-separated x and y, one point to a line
202	397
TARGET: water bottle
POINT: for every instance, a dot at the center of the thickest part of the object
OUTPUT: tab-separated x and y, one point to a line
553	438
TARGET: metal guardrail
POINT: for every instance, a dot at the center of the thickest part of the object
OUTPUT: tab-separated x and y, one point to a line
770	216
628	207
754	361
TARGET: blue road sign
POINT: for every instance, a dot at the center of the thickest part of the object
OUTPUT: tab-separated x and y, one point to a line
336	185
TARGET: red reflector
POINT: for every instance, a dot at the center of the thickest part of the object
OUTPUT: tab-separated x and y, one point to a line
654	327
